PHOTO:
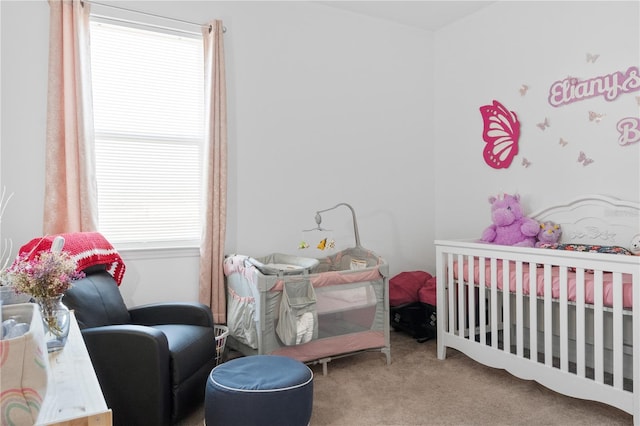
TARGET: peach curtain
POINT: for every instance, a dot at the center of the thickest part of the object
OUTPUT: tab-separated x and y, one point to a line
212	290
70	203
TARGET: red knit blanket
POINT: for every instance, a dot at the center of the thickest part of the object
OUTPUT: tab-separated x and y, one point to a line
86	248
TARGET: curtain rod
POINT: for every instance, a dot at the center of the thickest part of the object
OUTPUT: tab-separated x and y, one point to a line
224	29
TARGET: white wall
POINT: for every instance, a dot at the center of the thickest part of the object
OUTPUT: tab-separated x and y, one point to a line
490	55
24	46
325	106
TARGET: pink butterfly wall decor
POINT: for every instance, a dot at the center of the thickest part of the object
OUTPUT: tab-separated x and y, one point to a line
501	133
595	116
544	124
592	57
582	158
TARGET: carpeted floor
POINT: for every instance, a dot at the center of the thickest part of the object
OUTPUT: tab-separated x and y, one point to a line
418	389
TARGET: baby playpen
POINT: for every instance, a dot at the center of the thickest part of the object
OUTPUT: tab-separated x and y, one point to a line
312	310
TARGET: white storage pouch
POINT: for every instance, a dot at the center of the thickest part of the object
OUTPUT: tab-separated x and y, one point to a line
298	321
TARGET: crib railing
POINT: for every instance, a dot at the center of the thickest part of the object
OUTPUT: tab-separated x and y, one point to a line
493	306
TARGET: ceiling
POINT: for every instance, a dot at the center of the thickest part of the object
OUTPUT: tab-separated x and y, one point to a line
423	14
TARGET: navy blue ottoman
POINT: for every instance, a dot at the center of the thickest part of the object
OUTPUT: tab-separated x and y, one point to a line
259	390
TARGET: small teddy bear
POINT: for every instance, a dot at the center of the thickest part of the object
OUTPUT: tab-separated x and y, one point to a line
635	245
549	233
510	226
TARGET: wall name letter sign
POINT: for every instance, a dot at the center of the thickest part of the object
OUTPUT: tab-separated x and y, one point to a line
609	86
629	129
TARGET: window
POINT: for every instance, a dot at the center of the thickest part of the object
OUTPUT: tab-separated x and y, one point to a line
148	100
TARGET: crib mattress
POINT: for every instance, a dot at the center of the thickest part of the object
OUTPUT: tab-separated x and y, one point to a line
556	282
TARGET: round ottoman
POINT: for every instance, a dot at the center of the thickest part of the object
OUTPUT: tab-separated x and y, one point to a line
259	390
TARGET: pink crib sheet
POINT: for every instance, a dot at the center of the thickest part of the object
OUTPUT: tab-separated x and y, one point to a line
607	282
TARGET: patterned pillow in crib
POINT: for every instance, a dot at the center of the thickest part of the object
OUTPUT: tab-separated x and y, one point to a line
591	248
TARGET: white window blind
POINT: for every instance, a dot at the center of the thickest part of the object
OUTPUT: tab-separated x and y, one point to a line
148	98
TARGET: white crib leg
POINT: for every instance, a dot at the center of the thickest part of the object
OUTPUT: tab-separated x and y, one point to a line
442	350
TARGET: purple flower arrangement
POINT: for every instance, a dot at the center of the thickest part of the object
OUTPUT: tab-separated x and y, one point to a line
47	274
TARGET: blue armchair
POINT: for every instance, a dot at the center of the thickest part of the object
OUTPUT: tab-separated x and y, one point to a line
152	361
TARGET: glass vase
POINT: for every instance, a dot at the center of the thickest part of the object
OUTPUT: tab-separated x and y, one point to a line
55	317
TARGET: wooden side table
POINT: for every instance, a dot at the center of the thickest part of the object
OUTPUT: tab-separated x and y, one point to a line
74	396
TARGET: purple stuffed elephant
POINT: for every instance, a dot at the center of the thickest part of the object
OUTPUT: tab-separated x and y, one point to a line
510	226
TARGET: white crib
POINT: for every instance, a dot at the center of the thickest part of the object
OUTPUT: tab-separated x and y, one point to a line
578	336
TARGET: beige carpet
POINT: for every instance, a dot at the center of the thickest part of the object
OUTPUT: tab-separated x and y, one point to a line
418	389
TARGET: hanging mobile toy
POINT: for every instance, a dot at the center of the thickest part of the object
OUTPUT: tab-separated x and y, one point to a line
330	243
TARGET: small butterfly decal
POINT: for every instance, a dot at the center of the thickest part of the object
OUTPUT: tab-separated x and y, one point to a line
303	245
331	244
563	142
322	244
501	132
544	124
594	116
592	57
523	89
582	158
526	163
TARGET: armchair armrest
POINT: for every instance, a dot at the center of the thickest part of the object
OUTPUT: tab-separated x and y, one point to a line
172	313
132	366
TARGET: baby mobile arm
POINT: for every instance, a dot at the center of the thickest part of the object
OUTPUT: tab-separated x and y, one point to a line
318	219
